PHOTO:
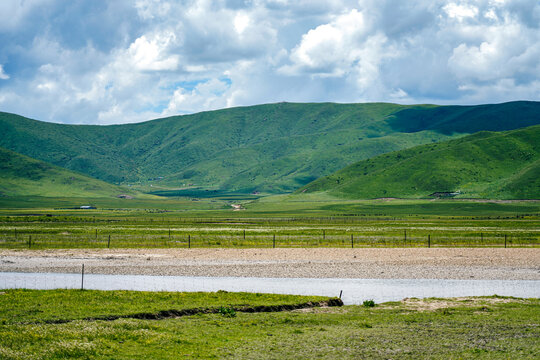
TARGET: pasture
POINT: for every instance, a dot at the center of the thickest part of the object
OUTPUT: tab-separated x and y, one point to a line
271	222
485	327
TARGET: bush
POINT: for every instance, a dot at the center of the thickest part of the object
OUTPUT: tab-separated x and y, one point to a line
227	311
369	303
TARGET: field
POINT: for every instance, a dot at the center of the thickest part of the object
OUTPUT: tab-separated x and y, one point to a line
488	327
276	223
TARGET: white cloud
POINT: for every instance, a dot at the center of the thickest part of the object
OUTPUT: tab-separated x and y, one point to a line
461	11
3	75
241	22
507	49
150	9
137	60
330	49
207	95
151	53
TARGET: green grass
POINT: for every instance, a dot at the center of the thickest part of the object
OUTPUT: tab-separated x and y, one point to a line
485	328
37	306
402	223
270	148
21	175
500	165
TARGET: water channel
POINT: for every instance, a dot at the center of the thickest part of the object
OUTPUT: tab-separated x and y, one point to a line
354	291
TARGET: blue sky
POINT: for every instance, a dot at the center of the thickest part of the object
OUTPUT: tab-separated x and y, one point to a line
106	62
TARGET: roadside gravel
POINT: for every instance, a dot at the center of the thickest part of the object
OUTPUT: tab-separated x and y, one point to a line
365	263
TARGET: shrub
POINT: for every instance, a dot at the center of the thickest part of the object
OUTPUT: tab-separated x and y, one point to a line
369	303
227	311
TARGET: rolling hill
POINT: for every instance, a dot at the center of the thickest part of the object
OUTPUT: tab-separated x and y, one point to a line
497	165
24	176
271	148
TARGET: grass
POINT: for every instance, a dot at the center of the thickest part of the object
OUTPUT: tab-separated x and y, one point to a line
500	165
270	148
21	175
486	328
37	306
280	222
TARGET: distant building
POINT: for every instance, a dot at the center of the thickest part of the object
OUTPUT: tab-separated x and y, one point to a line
87	207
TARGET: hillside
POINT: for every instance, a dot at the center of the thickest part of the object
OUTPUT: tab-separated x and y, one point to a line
24	176
497	165
269	148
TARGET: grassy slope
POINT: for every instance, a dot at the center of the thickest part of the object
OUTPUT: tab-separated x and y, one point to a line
272	148
486	165
485	328
21	175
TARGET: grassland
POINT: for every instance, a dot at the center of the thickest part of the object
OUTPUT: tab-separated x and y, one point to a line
492	165
24	176
490	327
280	222
270	148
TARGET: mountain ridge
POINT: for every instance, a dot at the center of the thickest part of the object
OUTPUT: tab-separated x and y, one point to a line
498	165
272	148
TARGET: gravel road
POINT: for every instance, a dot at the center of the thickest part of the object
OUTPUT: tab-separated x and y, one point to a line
366	263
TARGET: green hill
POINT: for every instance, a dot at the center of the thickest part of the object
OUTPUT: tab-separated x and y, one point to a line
269	148
24	176
497	165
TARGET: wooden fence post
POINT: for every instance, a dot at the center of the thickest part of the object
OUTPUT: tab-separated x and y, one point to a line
29	241
189	241
274	242
505	241
109	242
352	241
429	241
82	277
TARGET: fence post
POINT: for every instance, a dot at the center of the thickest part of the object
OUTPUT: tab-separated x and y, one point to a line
244	235
429	241
82	277
324	235
29	241
15	233
96	234
404	236
505	241
189	241
352	241
109	242
482	238
274	242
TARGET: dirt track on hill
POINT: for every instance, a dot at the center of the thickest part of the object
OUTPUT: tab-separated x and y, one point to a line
395	263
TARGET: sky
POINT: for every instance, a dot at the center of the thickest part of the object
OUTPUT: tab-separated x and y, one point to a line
112	62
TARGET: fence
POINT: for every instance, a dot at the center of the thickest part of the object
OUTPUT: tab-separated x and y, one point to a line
243	239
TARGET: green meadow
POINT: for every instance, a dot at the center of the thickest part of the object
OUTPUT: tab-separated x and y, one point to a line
469	328
278	221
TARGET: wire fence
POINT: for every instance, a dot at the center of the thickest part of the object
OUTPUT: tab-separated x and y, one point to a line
40	240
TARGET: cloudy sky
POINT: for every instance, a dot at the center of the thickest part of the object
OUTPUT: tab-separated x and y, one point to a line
104	62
